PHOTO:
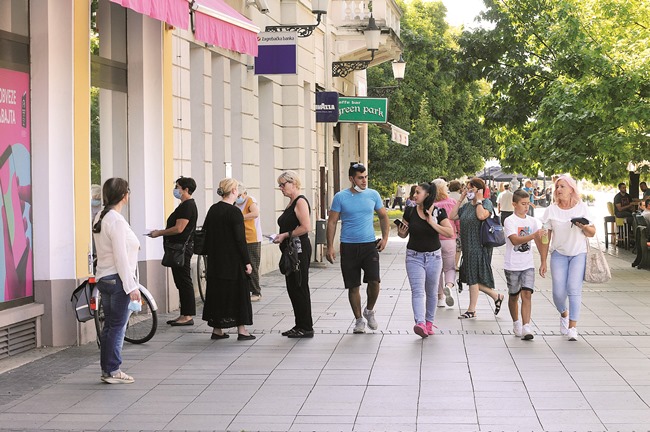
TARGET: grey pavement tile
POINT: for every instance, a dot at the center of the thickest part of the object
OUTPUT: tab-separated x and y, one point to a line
509	420
155	408
622	416
449	416
321	419
615	401
245	422
142	421
447	427
375	424
322	427
569	419
335	377
22	421
78	421
444	401
200	422
279	405
350	361
559	401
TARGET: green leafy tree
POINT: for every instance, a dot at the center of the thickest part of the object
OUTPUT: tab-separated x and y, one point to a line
431	100
570	84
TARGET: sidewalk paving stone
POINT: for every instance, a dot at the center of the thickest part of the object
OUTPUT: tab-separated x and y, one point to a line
471	375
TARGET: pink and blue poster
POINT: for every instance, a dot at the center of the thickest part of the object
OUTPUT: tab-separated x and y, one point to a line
16	270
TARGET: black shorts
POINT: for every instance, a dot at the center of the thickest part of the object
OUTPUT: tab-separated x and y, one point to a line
356	257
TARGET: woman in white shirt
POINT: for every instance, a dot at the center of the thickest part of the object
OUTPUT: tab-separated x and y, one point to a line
568	251
117	259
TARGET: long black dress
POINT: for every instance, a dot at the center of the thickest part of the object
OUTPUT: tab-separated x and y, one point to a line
227	300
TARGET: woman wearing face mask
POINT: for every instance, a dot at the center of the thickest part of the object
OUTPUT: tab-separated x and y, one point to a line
477	259
180	226
424	224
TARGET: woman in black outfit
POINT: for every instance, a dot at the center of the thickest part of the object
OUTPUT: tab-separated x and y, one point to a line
295	222
227	299
180	226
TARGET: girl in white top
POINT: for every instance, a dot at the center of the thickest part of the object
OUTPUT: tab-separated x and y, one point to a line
117	258
568	251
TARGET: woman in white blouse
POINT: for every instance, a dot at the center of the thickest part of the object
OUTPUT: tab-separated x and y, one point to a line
568	251
117	259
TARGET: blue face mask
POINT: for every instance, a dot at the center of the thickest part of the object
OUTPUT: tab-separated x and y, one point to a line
177	193
95	202
240	200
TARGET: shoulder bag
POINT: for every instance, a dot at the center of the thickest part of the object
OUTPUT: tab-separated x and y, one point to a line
596	268
81	301
199	242
492	233
289	261
174	255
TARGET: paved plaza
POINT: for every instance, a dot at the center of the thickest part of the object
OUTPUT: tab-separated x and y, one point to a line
472	375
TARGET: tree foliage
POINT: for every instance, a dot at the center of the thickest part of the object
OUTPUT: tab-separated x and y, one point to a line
570	83
442	112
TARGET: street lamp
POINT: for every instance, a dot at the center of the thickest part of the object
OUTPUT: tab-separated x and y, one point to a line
372	34
318	7
399	68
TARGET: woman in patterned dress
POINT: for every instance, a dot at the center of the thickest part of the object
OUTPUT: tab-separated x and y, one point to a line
477	259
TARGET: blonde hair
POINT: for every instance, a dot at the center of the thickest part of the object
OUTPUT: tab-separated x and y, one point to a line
290	177
226	186
575	195
441	187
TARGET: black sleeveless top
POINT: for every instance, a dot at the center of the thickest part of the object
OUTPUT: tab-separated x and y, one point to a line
288	220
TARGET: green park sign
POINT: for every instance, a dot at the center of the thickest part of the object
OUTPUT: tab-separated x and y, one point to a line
363	110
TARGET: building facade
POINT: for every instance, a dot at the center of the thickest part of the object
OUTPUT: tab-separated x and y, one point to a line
155	93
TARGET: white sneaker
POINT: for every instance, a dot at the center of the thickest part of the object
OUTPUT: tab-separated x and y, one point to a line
516	328
564	325
369	315
448	297
572	334
441	302
526	332
360	326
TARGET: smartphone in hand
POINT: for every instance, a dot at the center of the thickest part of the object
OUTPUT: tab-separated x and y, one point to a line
398	222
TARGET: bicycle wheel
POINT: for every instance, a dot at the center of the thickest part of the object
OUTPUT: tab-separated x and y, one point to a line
201	263
142	325
99	319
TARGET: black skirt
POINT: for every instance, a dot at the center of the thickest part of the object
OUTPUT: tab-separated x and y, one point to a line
227	302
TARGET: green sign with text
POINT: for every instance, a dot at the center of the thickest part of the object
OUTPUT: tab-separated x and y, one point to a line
363	110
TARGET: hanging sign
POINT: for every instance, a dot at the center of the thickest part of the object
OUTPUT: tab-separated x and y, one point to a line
363	110
327	107
400	136
277	53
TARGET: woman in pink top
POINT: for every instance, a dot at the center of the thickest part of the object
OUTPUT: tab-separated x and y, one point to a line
448	246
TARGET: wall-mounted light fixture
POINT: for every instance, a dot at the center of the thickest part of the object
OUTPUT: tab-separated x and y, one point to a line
319	8
399	68
372	34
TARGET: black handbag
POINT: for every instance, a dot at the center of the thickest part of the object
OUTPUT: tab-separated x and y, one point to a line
492	233
289	261
174	255
199	242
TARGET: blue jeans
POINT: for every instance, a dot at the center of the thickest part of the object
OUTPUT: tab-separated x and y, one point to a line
116	314
568	272
423	270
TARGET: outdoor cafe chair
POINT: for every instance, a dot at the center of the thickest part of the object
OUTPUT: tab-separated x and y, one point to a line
610	225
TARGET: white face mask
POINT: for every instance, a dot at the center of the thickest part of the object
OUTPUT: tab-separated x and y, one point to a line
471	195
358	189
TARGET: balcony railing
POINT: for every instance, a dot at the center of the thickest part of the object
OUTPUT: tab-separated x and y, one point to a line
355	14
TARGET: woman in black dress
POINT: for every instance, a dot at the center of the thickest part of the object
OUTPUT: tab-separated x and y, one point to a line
180	226
295	220
227	300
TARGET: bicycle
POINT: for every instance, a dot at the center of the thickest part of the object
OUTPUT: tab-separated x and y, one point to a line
140	327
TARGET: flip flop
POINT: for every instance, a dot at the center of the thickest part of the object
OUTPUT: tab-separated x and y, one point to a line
467	315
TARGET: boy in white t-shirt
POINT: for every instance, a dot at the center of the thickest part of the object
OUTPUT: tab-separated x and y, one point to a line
519	267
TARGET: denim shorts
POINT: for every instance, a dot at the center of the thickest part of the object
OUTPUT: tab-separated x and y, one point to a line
520	279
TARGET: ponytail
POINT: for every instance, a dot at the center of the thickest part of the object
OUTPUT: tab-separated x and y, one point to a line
114	191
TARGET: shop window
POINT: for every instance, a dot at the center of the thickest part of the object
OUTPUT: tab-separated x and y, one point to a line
16	255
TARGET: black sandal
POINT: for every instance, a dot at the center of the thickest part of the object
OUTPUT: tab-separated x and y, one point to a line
497	303
300	333
468	315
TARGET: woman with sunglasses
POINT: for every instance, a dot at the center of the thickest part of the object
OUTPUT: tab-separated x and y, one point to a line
295	222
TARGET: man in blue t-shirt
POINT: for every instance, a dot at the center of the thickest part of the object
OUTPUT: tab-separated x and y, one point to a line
355	207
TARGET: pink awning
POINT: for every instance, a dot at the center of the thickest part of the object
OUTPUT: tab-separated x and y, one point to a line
218	24
174	12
